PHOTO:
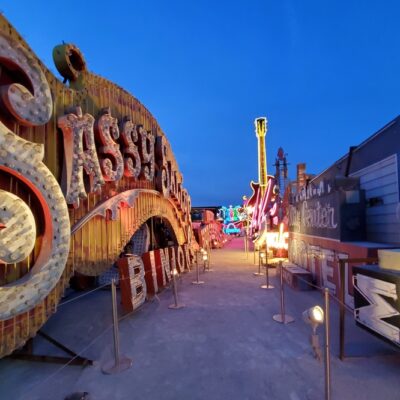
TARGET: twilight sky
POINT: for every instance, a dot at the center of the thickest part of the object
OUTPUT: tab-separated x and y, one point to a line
326	73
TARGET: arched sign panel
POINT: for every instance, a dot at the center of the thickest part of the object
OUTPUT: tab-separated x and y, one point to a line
83	164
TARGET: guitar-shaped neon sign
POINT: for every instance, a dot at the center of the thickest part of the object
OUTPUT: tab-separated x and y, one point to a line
262	191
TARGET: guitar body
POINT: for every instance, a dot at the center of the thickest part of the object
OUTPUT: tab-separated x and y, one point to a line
255	187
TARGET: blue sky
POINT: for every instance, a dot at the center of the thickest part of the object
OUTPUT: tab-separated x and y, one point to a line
325	73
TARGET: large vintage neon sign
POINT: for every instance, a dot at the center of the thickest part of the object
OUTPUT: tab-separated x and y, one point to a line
126	163
137	156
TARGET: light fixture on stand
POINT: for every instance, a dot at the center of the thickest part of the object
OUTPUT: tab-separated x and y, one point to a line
197	281
176	305
314	316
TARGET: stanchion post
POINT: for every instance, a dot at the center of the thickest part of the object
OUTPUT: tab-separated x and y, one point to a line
247	239
342	271
176	304
261	254
120	363
282	318
327	347
266	285
197	281
206	259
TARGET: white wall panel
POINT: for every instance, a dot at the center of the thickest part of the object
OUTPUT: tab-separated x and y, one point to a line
381	180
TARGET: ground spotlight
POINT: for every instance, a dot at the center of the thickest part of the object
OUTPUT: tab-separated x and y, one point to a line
314	316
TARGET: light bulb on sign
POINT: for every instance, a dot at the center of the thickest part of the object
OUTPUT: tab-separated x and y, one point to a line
175	271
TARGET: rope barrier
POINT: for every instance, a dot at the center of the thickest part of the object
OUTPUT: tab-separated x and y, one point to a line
52	310
51	376
322	288
63	303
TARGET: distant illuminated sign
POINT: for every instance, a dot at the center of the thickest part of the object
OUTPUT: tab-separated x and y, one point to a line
231	228
278	240
231	217
230	214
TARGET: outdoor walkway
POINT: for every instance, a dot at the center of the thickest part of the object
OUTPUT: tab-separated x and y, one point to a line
222	345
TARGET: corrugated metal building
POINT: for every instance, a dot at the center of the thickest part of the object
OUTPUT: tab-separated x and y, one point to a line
350	210
375	163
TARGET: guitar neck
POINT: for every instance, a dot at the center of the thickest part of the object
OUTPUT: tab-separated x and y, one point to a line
261	131
262	163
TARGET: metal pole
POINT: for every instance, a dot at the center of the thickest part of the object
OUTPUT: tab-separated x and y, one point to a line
267	285
115	320
207	263
198	281
282	294
120	363
197	268
327	347
175	289
259	273
247	243
282	317
342	271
